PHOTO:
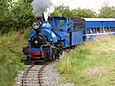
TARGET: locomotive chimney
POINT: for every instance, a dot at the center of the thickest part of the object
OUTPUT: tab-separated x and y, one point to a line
43	16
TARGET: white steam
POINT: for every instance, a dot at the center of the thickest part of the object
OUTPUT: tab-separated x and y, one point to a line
42	6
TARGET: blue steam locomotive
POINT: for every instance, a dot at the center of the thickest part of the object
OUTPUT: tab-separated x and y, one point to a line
49	38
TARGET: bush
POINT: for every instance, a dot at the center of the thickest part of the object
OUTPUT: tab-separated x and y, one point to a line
11	56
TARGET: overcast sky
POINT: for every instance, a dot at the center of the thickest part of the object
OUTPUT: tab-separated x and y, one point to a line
91	4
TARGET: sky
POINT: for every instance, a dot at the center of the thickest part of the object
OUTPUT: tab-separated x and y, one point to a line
91	4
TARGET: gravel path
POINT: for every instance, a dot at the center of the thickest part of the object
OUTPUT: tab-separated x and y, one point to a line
50	76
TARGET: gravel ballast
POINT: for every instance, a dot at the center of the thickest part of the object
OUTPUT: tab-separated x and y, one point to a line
50	76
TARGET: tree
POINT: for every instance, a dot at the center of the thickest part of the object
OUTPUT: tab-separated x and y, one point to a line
56	13
62	11
15	15
83	13
3	9
5	15
107	12
22	14
67	13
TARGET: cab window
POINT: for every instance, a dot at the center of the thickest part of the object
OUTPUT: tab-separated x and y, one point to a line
77	25
61	23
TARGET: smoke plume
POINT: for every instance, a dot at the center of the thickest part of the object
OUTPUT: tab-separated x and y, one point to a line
42	6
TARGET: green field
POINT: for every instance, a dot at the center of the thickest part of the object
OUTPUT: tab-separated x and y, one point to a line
10	56
90	64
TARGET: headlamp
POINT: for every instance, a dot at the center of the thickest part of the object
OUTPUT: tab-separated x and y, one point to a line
36	25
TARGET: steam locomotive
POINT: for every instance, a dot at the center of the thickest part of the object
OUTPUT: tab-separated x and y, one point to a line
49	38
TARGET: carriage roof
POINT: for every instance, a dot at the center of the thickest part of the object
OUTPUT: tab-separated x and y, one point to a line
99	19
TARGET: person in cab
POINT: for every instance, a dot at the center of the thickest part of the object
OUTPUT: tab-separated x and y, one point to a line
68	27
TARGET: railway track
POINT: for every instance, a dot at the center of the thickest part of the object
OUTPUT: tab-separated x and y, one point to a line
39	75
32	76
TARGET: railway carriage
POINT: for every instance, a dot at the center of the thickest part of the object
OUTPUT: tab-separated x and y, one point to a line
96	27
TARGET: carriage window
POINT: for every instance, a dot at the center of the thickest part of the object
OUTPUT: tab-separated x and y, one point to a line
99	30
110	29
90	30
105	30
113	29
61	23
94	30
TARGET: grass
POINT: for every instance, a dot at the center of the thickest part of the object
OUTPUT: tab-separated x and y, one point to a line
10	56
90	64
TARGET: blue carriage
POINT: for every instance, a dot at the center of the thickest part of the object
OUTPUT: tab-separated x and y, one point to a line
96	27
